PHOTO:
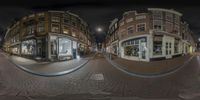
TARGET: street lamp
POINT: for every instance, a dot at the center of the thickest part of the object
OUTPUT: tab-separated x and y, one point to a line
99	29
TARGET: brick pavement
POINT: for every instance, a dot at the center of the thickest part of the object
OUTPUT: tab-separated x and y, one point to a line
153	67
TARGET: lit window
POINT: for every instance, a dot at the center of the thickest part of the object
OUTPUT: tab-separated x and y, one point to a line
55	19
55	27
65	30
141	27
73	34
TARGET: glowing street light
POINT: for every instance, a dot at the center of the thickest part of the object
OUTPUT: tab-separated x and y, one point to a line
99	29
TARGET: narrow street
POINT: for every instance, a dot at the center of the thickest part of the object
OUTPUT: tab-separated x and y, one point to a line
98	79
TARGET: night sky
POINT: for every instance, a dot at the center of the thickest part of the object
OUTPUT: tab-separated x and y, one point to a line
98	13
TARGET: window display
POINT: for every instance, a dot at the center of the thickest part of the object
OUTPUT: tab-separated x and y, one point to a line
28	47
65	47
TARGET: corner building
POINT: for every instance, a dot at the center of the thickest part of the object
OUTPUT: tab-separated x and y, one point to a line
153	35
49	35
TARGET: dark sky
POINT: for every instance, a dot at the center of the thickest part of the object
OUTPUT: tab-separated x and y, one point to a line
98	13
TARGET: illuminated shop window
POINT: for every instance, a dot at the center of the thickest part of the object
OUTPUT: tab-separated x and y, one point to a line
28	47
65	47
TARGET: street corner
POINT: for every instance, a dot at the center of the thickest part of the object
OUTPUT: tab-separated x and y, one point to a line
150	69
48	69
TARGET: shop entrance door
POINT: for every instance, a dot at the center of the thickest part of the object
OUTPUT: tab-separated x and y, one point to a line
142	49
168	49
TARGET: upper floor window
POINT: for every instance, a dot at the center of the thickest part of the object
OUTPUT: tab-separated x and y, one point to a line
40	27
115	25
73	34
55	27
140	17
169	16
129	20
176	19
141	27
122	23
176	29
31	29
157	24
66	30
55	19
157	15
130	30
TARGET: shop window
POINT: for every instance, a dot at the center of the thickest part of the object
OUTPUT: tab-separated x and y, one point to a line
55	28
157	45
130	30
28	47
131	48
141	27
64	46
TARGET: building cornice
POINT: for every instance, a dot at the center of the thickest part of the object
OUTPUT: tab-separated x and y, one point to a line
165	10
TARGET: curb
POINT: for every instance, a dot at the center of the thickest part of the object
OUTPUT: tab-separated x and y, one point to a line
150	75
50	74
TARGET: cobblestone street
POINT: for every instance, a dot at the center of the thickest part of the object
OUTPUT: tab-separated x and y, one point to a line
98	79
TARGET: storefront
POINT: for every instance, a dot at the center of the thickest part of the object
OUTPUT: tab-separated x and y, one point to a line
16	49
62	48
28	47
115	48
135	49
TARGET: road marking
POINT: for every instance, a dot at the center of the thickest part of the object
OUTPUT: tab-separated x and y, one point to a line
98	77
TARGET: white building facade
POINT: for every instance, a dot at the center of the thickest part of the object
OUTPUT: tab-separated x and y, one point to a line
155	35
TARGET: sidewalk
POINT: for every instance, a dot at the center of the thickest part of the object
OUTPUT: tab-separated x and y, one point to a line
151	68
48	68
